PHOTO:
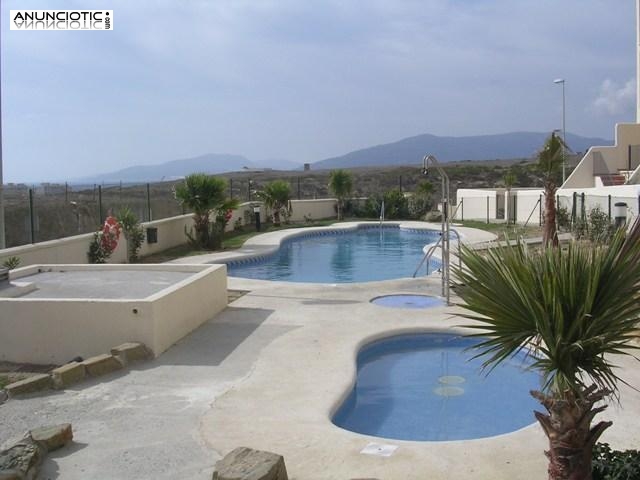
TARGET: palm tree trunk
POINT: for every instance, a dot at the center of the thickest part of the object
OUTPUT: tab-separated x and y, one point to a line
549	233
568	428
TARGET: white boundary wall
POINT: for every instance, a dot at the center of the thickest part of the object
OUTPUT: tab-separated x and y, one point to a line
171	233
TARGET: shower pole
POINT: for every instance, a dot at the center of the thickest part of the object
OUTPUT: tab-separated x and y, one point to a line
445	222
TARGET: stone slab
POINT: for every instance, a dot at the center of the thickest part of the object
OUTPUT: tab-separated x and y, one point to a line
34	383
68	374
23	458
102	364
248	464
131	352
53	437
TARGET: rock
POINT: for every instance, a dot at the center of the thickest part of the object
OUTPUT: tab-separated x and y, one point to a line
22	460
102	364
34	383
3	397
53	437
131	352
68	374
247	464
10	475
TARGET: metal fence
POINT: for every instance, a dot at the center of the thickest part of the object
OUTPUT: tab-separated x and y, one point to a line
48	212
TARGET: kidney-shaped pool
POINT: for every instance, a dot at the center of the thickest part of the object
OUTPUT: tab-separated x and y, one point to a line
428	386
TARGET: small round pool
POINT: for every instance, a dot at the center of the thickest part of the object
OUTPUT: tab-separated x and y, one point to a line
428	387
365	254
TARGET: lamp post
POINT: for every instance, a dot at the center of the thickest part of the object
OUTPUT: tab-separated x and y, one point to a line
564	132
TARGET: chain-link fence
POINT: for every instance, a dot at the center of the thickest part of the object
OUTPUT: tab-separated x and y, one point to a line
48	212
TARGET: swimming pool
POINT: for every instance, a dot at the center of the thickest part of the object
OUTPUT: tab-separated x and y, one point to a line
428	387
338	256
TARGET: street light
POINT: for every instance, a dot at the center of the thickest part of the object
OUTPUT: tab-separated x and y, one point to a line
564	132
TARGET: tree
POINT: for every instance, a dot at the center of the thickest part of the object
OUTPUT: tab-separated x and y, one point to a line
549	166
341	184
205	195
574	308
276	196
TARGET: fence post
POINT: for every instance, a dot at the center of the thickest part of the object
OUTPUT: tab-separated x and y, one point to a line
149	203
583	211
573	208
487	210
540	211
100	217
609	199
32	223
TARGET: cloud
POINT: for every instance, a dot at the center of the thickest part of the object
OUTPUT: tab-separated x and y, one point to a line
614	99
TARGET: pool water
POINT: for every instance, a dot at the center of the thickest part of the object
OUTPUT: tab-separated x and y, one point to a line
362	255
427	387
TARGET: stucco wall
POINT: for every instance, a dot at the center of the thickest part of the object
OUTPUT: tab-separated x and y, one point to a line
474	204
171	233
608	159
43	331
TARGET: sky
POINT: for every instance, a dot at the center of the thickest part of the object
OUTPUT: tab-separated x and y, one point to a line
303	80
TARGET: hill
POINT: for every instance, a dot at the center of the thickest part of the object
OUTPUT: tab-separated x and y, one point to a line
410	151
212	163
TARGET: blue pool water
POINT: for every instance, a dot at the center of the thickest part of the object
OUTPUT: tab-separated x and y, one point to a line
362	255
428	387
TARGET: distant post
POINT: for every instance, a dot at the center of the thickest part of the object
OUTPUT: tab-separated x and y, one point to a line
32	220
149	202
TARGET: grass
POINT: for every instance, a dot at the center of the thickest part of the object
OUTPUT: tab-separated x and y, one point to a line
4	380
504	231
231	241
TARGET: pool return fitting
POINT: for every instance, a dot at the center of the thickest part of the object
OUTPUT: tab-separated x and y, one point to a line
446	228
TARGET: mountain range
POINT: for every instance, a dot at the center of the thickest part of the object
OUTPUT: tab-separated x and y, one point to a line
403	152
447	149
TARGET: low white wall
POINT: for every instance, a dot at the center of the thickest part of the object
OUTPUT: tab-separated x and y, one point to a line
171	233
313	209
53	331
475	204
74	249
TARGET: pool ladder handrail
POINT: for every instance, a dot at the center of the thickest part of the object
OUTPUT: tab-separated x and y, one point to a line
432	249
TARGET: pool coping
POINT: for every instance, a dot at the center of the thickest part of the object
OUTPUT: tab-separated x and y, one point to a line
300	380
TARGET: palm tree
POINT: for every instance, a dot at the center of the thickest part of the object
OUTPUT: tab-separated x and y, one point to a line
573	308
550	165
341	184
276	196
205	195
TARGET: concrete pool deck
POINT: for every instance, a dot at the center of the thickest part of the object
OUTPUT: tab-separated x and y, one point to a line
267	373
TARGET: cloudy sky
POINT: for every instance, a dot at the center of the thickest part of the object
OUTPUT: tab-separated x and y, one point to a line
303	80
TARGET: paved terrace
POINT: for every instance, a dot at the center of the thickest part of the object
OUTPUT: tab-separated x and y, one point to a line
267	373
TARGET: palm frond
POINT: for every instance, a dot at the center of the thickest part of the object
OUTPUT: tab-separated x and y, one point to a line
575	308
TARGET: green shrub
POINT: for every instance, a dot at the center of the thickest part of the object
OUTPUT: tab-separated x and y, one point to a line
97	253
563	219
11	263
133	232
600	227
614	464
396	205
